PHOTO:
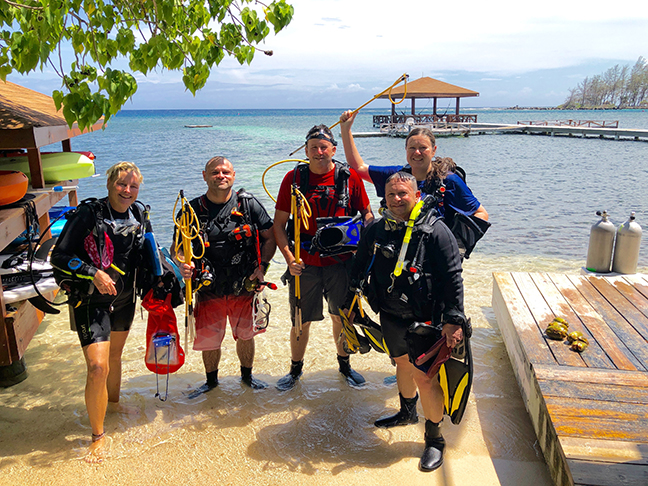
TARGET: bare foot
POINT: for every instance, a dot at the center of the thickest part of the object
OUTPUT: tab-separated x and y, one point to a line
97	450
117	407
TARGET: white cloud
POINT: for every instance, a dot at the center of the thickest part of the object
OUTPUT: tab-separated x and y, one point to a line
358	47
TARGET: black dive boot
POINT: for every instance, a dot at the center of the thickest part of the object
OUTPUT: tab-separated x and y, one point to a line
353	378
432	457
405	416
291	379
211	383
251	381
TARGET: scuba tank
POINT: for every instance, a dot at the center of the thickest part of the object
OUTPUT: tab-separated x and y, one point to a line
626	250
601	242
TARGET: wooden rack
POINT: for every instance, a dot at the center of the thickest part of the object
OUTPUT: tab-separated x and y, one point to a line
28	120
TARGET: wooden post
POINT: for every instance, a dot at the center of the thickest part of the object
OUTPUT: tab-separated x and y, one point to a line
457	111
393	115
434	107
413	110
35	168
67	145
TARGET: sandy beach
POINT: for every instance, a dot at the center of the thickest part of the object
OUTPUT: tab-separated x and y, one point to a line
320	432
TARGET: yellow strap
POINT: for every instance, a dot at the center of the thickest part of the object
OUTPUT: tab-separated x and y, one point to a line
408	236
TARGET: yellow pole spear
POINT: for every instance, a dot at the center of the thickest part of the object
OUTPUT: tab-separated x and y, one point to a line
403	78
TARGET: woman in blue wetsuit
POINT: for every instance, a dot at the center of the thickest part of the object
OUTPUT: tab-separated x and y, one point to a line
421	147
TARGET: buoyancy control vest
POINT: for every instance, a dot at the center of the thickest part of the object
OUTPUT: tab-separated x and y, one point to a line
341	177
232	245
409	295
117	258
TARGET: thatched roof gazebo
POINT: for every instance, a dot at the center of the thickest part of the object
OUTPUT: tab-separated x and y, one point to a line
29	120
427	88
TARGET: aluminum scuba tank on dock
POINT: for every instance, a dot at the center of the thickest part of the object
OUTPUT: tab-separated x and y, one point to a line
626	250
601	243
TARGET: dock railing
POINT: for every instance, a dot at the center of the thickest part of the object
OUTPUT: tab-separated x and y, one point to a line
573	123
422	119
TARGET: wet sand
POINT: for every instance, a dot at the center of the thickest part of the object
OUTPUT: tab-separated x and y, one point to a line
320	432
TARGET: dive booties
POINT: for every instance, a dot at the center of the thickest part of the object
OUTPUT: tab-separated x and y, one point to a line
406	415
432	457
249	380
353	378
290	380
210	384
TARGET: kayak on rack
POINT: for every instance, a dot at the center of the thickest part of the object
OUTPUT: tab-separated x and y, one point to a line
57	166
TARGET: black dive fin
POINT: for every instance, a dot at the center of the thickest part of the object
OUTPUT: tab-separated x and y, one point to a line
455	377
44	250
42	305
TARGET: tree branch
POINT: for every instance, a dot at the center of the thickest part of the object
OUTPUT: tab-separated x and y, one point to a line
19	5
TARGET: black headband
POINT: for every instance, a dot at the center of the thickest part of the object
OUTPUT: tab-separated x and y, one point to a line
322	134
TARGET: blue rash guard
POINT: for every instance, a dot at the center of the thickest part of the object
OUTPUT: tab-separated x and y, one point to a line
457	195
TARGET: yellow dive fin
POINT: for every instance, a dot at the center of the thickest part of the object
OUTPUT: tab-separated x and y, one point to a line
455	377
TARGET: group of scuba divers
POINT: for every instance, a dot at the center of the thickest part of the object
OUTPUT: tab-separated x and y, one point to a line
407	264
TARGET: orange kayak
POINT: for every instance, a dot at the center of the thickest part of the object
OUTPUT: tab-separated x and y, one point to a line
13	186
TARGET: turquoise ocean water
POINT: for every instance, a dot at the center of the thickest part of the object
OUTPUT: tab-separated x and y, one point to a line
541	192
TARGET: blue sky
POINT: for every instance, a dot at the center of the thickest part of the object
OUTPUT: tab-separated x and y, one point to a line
339	53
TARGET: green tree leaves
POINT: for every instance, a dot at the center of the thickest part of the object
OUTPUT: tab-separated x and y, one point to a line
618	87
189	35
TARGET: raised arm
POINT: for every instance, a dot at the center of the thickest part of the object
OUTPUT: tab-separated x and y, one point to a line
481	213
350	151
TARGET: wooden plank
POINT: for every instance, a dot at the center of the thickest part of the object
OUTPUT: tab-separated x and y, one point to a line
24	324
590	375
543	316
615	321
598	450
12	221
5	343
609	392
598	419
619	354
522	336
639	282
510	302
604	474
595	357
624	303
633	324
633	295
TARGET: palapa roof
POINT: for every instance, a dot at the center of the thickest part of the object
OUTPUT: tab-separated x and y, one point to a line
29	119
430	88
24	108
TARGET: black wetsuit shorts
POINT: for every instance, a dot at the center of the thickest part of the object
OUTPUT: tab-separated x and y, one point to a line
95	321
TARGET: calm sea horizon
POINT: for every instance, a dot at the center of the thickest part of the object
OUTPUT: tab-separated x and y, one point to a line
541	192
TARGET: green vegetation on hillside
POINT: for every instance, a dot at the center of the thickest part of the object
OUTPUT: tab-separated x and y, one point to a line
618	87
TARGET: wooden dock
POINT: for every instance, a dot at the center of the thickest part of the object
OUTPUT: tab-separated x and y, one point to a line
471	129
589	410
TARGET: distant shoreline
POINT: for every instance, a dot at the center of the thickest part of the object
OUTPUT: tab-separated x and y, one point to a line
558	108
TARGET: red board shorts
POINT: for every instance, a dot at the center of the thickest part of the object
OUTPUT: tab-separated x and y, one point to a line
211	315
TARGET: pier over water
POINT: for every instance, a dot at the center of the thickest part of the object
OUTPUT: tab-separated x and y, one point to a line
568	128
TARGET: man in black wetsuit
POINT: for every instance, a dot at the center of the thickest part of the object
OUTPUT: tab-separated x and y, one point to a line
240	246
429	290
95	260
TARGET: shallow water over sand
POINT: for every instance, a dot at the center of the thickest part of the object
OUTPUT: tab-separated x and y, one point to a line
541	193
320	431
